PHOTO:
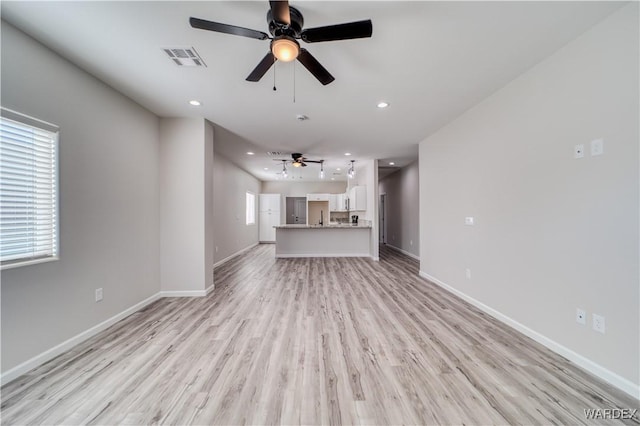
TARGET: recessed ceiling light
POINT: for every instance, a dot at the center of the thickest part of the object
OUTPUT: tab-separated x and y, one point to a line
391	163
338	169
333	178
347	154
250	153
195	103
383	104
266	168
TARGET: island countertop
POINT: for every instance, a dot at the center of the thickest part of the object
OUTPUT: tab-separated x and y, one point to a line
329	226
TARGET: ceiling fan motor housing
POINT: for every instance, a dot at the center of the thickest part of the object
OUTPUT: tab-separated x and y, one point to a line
292	30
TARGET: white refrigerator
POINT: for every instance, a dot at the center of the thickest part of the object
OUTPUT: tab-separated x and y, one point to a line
270	208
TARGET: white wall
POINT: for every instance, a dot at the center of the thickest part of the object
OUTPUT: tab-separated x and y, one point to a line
231	184
552	233
109	199
402	208
301	189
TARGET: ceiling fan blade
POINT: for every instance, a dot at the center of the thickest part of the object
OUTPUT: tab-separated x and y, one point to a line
280	11
350	30
227	29
313	161
262	67
315	67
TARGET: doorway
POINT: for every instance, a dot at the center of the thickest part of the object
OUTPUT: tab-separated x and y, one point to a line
296	210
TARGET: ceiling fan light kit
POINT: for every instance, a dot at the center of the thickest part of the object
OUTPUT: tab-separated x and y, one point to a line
285	49
285	25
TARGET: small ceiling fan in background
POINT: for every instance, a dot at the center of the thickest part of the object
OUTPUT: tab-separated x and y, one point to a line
286	27
299	160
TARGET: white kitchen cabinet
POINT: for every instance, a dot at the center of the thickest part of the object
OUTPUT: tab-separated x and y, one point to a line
343	201
270	202
333	202
317	197
269	216
338	202
358	198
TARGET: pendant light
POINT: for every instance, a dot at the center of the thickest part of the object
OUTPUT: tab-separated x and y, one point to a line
352	171
284	169
322	169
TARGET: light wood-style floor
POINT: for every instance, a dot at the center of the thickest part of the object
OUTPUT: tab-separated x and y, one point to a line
309	341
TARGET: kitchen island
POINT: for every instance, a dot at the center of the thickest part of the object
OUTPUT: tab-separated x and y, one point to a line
333	240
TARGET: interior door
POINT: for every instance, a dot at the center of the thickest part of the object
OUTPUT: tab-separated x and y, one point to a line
300	211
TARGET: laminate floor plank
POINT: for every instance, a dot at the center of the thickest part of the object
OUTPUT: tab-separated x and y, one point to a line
309	341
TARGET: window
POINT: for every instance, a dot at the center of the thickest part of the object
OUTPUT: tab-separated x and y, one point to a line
251	208
28	190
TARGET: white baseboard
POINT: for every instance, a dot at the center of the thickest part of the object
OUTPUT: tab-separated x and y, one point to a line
608	376
411	255
285	256
185	293
48	355
375	258
228	258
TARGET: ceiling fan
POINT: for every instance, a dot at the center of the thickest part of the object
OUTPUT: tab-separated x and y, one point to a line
285	25
299	160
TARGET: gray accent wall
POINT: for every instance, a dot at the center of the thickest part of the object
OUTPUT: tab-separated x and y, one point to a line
402	208
552	233
109	202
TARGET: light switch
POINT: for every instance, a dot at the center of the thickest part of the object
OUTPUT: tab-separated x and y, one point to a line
468	221
597	147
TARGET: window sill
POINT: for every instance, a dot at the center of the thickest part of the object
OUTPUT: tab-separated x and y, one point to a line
28	262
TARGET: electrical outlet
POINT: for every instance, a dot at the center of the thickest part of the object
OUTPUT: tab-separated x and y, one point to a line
98	294
598	323
578	151
581	316
468	273
469	221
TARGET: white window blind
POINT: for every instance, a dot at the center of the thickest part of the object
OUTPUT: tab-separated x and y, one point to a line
251	208
28	190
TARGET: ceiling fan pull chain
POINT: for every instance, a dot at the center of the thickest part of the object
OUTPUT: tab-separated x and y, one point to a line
274	76
294	82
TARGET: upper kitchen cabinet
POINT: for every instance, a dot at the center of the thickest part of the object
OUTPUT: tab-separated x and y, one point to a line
317	197
358	198
338	202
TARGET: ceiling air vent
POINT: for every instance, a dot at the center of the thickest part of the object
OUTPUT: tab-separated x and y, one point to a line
274	153
184	56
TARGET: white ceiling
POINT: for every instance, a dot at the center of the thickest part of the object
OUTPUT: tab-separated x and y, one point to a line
430	60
